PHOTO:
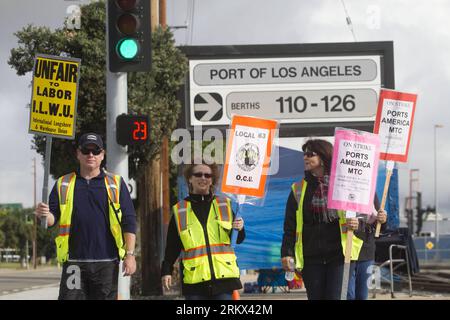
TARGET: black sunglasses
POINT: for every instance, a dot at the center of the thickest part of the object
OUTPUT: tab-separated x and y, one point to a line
310	154
201	174
87	151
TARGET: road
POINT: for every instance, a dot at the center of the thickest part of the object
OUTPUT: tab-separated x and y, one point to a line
13	281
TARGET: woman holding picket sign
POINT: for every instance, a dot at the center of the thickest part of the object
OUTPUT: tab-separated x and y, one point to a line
200	229
314	235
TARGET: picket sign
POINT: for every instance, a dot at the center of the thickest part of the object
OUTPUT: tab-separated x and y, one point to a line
53	106
249	150
393	124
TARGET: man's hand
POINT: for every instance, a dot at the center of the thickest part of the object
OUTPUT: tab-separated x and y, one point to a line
166	282
129	265
43	211
382	216
238	224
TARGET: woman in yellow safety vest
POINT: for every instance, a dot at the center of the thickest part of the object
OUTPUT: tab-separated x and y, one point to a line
314	236
200	233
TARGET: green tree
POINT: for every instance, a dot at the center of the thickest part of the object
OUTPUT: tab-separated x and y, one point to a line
15	230
152	93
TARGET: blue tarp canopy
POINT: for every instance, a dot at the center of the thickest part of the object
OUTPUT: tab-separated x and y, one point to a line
264	225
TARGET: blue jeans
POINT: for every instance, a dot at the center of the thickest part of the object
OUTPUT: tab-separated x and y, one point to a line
358	282
323	281
221	296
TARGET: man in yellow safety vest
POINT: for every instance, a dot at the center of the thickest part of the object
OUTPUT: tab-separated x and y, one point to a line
97	225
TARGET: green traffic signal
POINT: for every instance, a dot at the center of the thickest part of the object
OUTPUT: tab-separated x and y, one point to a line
128	48
129	35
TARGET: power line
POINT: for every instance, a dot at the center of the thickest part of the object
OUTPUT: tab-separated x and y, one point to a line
349	21
191	25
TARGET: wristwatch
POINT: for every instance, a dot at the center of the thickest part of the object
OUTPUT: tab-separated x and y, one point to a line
130	253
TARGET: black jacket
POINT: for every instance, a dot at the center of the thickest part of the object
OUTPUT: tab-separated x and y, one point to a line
201	206
366	232
321	241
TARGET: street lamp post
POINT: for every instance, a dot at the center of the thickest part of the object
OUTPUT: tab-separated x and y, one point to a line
436	126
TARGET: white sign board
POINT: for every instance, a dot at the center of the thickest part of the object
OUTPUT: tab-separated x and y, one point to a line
354	171
394	123
248	156
292	90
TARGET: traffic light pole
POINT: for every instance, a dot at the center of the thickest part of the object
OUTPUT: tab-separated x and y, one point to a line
116	102
116	155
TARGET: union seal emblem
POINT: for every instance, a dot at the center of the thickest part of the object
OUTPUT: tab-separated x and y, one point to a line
247	157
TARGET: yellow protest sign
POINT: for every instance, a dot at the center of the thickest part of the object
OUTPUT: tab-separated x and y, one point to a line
54	96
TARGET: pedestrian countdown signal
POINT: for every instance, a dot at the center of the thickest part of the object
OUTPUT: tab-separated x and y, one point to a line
132	129
129	35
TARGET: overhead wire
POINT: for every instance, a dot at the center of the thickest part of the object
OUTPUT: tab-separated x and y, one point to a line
349	21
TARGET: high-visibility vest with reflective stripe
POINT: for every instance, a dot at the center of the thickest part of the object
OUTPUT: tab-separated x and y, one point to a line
66	188
194	253
299	190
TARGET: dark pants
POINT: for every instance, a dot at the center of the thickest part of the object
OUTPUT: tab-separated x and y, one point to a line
323	281
89	281
221	296
358	283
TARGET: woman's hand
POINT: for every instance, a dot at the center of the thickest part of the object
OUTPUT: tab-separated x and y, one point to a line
238	224
382	216
353	223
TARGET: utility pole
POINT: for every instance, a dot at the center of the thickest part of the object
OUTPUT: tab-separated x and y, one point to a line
150	211
436	126
164	154
410	217
35	217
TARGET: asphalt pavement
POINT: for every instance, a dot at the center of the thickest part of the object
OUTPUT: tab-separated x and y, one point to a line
40	283
43	284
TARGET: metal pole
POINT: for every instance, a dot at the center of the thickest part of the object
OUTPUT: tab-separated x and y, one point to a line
48	155
26	255
116	155
35	217
436	225
116	102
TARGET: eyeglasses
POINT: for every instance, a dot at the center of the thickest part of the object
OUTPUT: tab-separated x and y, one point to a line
201	174
87	151
309	154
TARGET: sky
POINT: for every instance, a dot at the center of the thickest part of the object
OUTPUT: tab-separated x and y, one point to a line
419	30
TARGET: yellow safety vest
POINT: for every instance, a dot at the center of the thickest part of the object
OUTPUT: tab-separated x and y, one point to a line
194	254
66	187
299	193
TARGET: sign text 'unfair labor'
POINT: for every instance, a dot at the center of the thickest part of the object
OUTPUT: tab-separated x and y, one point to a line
354	170
54	96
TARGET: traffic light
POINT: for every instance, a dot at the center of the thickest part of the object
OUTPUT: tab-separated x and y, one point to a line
132	129
129	35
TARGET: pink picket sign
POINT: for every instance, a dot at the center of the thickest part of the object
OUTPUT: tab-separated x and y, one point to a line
354	170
